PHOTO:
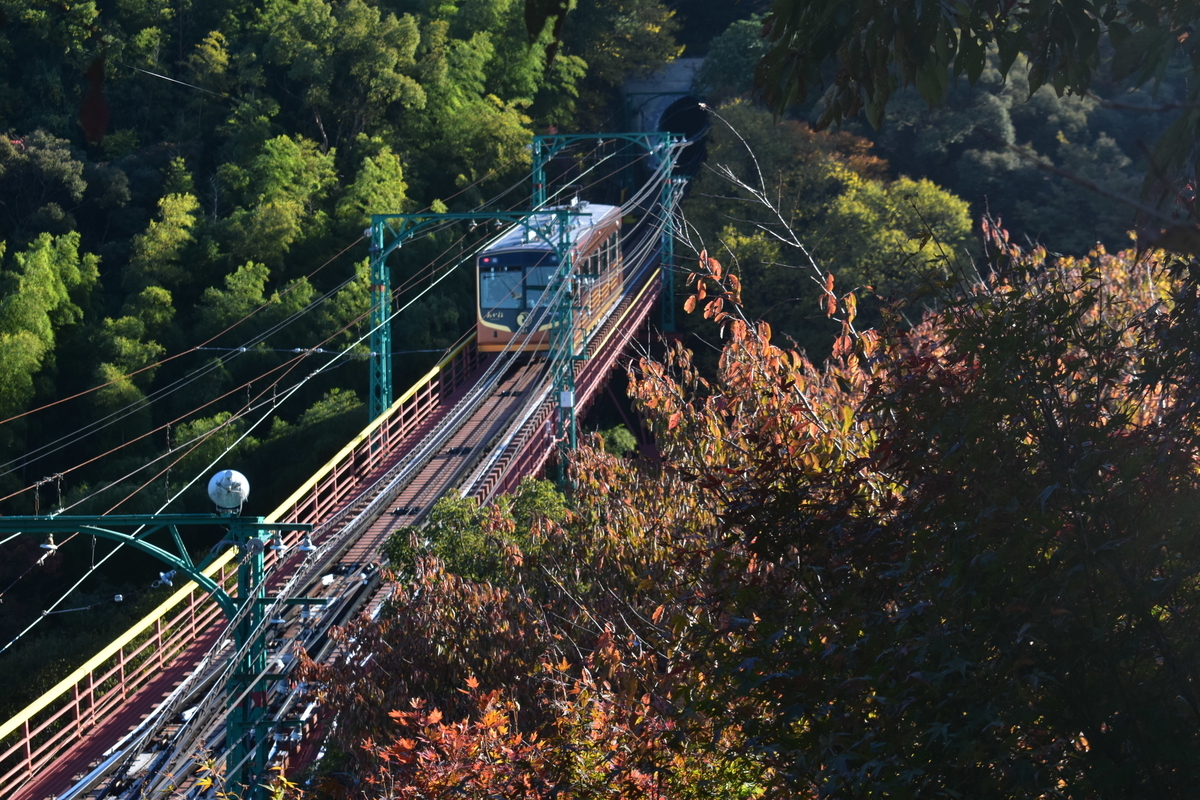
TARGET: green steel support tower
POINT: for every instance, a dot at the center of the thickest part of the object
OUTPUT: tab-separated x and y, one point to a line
247	722
381	327
666	146
564	349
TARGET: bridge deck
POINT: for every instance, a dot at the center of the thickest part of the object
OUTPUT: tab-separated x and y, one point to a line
527	454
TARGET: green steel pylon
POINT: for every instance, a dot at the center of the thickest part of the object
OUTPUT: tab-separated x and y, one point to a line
380	389
247	722
390	231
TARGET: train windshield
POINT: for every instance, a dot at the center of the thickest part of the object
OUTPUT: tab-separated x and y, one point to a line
500	287
503	283
536	281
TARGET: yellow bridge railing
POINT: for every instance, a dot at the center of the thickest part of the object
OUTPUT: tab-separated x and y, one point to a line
42	731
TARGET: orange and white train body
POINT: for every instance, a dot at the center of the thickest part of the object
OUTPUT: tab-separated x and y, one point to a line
515	271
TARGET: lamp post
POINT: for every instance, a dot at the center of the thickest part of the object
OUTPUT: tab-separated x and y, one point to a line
246	723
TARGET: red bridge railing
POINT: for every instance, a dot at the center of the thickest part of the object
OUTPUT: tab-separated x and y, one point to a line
41	732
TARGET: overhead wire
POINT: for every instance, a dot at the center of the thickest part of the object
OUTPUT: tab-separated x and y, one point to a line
176	461
199	440
114	551
236	417
391	316
166	360
290	288
561	287
274	404
142	403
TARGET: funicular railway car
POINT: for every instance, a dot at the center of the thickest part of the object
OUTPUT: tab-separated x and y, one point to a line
515	270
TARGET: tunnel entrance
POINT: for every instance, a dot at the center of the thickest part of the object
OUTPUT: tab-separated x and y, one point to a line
684	116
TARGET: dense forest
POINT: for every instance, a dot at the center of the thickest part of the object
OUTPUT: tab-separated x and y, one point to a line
949	553
184	189
917	521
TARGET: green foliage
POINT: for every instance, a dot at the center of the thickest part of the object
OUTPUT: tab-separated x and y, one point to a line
319	432
159	254
618	441
963	144
823	203
284	187
46	49
338	317
920	47
728	69
379	186
331	406
874	47
349	62
476	543
41	179
617	39
242	295
41	287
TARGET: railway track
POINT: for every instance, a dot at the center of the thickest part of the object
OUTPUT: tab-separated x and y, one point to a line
485	429
341	576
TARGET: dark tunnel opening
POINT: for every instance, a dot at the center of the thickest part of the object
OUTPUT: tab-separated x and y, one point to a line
686	117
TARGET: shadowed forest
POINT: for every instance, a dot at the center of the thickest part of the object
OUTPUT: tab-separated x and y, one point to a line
918	520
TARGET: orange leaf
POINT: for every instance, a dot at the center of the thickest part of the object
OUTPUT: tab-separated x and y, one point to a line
657	615
714	266
673	421
689	305
434	717
473	682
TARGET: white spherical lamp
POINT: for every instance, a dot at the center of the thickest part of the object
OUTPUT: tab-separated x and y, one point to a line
228	489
